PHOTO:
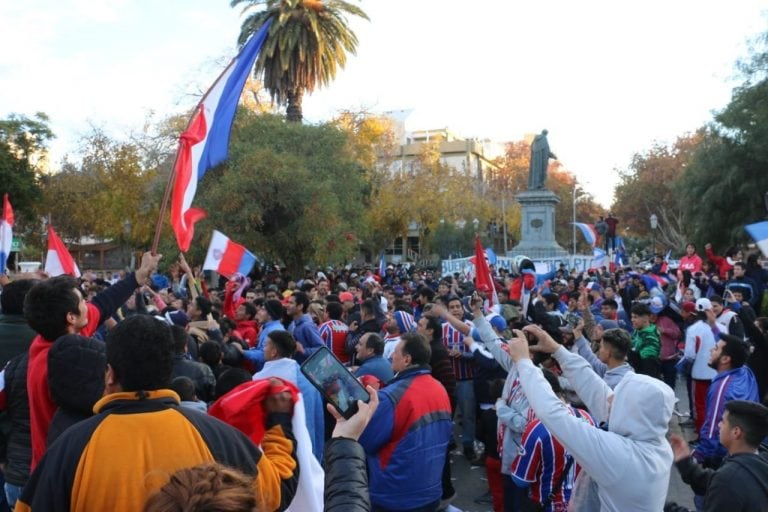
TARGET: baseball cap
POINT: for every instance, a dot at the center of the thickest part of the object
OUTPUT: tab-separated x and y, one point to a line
496	321
346	297
703	305
608	324
688	306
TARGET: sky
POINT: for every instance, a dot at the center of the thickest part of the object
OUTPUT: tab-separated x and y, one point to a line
607	79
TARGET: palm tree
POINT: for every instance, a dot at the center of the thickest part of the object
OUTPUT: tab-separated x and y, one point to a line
307	41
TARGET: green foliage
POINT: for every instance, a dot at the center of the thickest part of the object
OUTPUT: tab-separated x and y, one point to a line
308	41
724	186
105	195
23	151
289	193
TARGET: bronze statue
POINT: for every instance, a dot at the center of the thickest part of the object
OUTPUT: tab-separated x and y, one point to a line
540	155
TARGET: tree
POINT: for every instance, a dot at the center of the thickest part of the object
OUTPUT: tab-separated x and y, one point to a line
308	41
289	192
23	157
651	185
724	186
104	196
429	194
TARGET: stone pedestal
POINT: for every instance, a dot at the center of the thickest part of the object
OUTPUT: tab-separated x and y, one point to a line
537	228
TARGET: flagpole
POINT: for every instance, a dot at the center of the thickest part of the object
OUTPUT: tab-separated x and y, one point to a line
172	174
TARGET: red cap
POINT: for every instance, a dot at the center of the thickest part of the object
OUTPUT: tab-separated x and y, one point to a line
688	306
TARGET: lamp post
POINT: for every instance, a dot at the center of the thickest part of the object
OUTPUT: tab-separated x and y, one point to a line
573	224
654	225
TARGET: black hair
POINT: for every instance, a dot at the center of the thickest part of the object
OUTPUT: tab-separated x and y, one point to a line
302	299
417	347
334	310
47	304
184	387
619	341
751	418
374	341
552	299
250	309
436	327
641	309
283	342
180	338
403	305
12	298
210	353
230	379
736	349
140	352
76	367
427	292
368	308
740	264
716	298
204	305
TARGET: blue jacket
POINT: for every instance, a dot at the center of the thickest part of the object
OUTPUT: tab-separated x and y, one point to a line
406	441
376	366
256	354
306	332
737	384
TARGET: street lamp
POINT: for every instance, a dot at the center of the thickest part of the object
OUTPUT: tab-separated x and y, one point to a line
654	225
573	224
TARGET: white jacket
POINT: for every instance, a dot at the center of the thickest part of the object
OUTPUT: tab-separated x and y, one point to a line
631	462
699	341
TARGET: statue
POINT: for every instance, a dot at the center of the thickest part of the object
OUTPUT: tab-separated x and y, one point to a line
540	155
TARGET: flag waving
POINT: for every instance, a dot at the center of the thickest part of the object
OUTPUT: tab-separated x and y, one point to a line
483	279
759	232
589	232
205	142
227	258
6	233
59	261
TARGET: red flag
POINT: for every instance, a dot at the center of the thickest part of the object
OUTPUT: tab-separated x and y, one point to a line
483	279
59	261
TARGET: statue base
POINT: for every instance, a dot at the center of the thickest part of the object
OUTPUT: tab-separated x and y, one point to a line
537	227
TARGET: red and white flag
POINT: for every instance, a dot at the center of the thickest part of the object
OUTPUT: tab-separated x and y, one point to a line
59	261
6	233
227	258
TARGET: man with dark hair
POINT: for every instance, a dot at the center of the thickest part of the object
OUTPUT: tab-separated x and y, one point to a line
279	350
610	363
303	327
728	321
368	323
15	333
734	381
406	441
424	296
185	388
200	373
199	308
270	316
646	344
55	307
741	483
247	327
140	419
370	355
748	286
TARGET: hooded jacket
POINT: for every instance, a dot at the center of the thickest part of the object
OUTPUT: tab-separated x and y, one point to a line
630	462
736	384
76	367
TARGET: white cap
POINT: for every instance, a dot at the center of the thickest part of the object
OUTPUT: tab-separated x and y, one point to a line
703	305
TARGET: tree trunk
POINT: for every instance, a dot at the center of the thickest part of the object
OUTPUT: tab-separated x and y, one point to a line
293	112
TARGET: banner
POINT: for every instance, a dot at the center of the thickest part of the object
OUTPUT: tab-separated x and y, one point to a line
581	262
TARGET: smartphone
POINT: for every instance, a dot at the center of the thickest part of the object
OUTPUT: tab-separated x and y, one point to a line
334	381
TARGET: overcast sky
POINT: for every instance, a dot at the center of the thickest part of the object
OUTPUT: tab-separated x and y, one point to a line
606	78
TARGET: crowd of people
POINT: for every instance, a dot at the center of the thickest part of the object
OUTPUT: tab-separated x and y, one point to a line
168	391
